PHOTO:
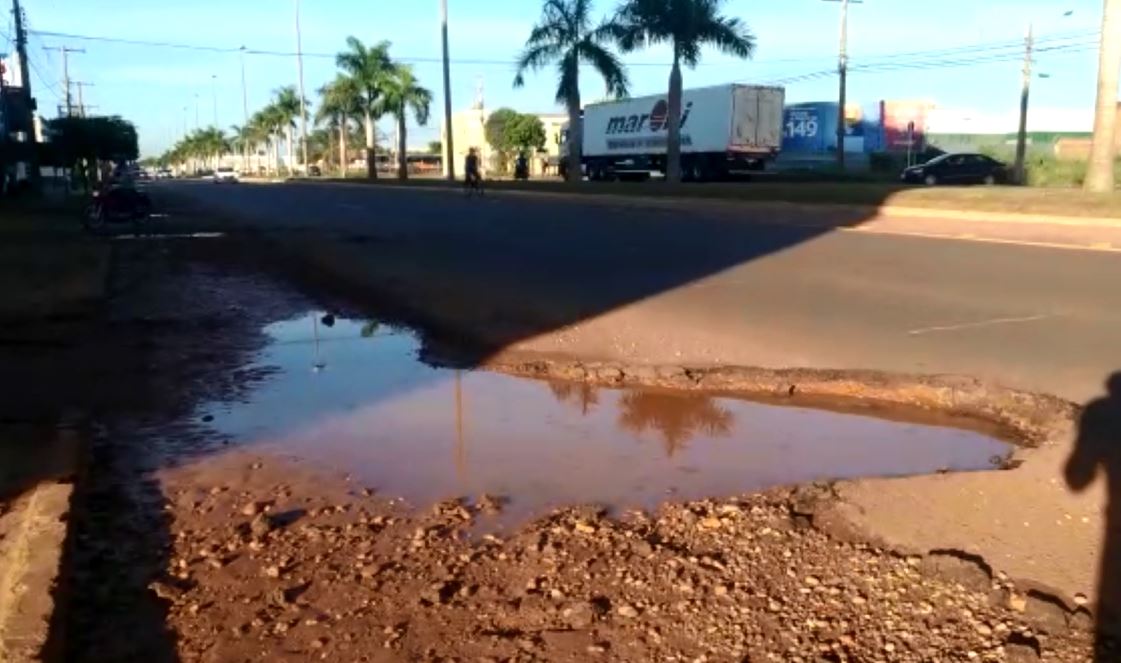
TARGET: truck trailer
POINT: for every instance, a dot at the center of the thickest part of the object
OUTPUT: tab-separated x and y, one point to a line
725	129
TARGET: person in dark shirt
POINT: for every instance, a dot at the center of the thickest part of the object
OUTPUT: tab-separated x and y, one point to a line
471	170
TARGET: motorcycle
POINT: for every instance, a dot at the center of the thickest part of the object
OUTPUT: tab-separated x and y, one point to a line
117	204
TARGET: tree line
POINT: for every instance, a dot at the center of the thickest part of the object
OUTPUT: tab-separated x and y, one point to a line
369	86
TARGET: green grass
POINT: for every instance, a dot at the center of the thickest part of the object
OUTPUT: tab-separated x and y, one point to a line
1023	200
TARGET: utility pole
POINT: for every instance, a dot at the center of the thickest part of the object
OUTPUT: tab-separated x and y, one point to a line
303	105
28	100
449	146
1025	91
842	74
66	51
244	110
81	101
1099	176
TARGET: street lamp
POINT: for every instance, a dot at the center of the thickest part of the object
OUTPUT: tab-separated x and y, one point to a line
245	111
300	71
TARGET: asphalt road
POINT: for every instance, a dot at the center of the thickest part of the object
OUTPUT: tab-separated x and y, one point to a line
1036	308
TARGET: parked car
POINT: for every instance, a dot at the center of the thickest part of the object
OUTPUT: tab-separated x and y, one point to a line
225	174
959	168
314	171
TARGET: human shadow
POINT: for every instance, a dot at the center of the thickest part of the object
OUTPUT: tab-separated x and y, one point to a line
1098	450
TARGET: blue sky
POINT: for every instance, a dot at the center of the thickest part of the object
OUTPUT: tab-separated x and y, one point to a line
152	85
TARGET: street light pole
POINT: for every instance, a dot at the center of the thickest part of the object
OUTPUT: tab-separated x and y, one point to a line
449	145
245	112
214	94
303	105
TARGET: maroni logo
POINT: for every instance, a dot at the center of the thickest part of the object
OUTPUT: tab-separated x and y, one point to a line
656	120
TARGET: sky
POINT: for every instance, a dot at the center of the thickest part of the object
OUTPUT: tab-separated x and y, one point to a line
159	88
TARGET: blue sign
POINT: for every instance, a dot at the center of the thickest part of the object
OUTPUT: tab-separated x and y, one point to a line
809	127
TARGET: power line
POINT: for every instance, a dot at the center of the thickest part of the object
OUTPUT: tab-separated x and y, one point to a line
968	48
922	64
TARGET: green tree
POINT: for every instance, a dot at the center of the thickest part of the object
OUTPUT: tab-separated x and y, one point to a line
400	93
81	142
565	35
687	26
435	147
498	137
340	104
369	67
527	132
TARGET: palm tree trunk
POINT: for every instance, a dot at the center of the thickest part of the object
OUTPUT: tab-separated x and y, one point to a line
276	154
575	170
371	149
344	161
291	156
402	154
673	121
1099	176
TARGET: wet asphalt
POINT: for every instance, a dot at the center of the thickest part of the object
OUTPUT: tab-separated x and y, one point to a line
786	288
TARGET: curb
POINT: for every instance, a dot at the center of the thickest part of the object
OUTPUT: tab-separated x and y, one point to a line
30	566
886	210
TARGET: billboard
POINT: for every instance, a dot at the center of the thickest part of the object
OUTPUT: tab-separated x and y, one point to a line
810	127
903	124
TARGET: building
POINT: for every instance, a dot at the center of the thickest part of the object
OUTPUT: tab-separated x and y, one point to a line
469	131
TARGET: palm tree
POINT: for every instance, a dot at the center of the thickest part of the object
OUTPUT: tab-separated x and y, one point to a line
341	102
286	106
688	26
264	129
369	68
1099	176
401	92
565	35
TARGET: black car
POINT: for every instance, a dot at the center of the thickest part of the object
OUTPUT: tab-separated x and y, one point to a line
957	169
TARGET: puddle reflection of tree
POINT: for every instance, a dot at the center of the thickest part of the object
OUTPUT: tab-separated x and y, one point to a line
677	418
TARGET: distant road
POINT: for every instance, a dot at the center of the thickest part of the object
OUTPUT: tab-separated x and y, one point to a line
1032	307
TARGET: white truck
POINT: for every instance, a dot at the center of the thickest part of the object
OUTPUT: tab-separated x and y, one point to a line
725	129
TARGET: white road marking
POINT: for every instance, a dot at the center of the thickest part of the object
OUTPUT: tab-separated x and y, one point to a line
982	323
155	236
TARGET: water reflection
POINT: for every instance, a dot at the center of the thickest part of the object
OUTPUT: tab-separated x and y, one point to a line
427	433
676	418
581	395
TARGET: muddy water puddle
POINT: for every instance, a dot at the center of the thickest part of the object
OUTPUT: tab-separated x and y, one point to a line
353	396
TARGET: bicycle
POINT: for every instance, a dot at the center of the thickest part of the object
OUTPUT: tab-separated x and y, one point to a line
473	186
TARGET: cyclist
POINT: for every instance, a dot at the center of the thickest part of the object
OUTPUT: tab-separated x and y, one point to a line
472	179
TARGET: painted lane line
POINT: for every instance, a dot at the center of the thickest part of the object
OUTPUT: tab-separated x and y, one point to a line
981	323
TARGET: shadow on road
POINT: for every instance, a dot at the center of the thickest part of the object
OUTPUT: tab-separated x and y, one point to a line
1098	451
510	267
